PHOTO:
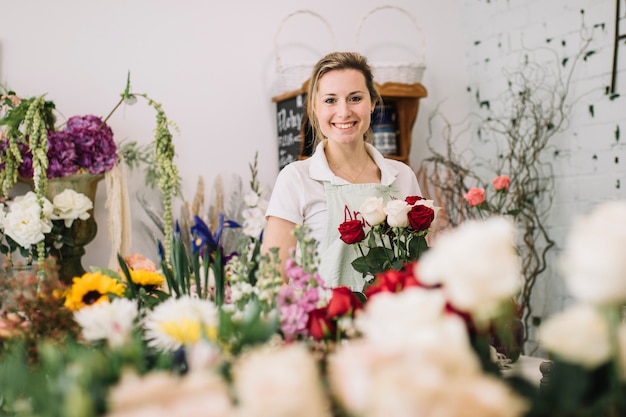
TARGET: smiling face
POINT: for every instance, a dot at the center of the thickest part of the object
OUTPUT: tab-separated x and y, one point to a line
343	105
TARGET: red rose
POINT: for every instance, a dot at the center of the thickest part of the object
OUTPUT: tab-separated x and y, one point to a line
393	281
412	199
319	325
420	217
342	302
351	231
475	196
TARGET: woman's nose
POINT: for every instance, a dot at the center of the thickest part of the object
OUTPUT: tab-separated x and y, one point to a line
343	110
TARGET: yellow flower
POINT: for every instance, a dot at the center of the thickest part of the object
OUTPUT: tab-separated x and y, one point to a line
92	288
146	278
187	331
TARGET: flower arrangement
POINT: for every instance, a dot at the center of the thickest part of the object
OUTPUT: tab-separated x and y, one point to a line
417	343
25	223
388	235
35	148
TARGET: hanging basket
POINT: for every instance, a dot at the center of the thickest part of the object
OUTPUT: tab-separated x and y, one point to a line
405	72
292	75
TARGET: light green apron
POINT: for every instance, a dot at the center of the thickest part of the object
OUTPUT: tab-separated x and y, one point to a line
335	255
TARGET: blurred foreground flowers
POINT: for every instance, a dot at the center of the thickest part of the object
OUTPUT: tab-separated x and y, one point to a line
217	333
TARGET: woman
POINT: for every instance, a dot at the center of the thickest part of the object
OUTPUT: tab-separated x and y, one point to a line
343	171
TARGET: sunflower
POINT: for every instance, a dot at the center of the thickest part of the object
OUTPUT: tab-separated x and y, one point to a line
147	279
92	288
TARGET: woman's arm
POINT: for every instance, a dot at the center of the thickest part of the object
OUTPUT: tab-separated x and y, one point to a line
279	234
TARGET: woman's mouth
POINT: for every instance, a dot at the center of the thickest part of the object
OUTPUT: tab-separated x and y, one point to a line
344	125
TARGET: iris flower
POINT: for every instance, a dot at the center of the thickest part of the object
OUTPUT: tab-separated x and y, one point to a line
202	234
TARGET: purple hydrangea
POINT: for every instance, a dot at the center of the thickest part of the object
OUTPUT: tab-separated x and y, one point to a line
61	155
95	148
86	142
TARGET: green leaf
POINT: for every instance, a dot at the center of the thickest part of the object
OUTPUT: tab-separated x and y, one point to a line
377	260
417	246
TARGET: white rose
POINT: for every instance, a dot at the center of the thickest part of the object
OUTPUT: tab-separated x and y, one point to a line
373	210
28	200
414	317
267	385
70	205
477	264
25	226
397	211
593	262
579	334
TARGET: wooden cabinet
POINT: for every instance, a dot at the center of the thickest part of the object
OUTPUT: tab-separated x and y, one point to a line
403	99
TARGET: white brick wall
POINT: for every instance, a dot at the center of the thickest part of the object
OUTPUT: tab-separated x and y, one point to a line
590	160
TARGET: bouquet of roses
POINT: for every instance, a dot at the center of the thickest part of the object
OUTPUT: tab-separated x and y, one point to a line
389	235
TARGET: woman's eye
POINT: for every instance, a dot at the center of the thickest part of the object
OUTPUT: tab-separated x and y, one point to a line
356	99
329	100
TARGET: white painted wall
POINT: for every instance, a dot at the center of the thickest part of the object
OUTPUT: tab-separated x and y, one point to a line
590	155
212	66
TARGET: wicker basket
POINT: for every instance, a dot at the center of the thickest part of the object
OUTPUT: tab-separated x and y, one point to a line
405	72
291	76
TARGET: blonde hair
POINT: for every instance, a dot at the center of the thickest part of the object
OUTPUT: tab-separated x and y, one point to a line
333	62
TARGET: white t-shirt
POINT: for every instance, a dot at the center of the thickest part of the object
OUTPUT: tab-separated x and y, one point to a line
299	195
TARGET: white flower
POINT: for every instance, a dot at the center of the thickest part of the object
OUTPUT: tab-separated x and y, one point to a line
251	199
397	211
579	334
70	205
593	263
24	223
30	200
254	221
181	321
164	394
112	321
413	317
477	265
405	381
279	381
373	210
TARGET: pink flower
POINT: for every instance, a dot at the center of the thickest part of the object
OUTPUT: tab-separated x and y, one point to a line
475	196
138	262
501	182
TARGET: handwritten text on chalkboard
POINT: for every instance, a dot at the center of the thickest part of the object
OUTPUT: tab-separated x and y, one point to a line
289	114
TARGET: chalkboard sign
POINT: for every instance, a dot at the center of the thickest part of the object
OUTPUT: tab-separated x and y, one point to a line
289	117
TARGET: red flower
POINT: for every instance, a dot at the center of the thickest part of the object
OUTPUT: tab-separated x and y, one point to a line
320	326
393	281
351	231
342	302
412	199
475	196
501	182
420	217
